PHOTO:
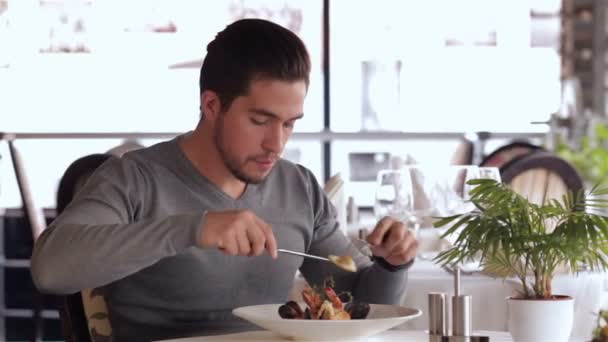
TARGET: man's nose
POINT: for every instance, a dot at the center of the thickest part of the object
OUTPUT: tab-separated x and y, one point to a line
274	139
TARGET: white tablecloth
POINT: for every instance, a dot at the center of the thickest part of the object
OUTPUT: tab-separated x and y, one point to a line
589	290
390	335
489	296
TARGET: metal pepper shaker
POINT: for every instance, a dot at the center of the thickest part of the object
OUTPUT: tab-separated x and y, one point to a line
461	309
437	314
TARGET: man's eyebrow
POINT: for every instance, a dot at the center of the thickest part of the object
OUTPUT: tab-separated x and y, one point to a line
271	114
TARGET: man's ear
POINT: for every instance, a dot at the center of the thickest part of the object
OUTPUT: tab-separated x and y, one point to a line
210	104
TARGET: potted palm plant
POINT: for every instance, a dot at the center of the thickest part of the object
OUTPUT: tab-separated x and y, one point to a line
513	237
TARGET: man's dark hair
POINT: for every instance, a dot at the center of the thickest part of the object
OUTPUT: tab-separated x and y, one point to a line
251	49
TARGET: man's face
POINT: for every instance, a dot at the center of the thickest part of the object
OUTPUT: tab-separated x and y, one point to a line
251	134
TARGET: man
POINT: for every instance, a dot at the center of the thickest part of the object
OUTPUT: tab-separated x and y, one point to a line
180	233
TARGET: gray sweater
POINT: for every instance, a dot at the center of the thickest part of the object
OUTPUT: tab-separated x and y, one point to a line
132	230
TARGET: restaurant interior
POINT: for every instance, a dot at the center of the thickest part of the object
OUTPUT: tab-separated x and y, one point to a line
518	89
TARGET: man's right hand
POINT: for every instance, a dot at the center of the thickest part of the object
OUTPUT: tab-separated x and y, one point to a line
237	232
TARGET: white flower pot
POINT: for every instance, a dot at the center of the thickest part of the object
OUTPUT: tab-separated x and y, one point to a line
538	320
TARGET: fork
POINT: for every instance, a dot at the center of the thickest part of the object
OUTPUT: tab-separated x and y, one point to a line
303	254
345	264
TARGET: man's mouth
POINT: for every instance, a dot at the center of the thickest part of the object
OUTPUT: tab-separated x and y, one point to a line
265	163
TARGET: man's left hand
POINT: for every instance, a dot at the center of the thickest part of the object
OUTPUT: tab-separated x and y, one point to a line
393	241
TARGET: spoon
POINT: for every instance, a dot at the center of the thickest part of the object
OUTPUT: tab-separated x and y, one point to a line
344	262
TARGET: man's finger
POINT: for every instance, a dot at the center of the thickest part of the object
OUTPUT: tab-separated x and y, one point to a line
394	236
271	242
405	257
257	241
379	252
403	246
377	235
227	243
230	247
242	242
408	255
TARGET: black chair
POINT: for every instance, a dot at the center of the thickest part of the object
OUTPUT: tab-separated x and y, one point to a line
72	313
508	152
541	176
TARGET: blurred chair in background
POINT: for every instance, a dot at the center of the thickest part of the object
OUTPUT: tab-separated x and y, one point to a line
508	152
84	315
75	176
124	147
541	176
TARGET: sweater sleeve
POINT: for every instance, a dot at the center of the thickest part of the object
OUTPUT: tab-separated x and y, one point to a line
372	283
97	240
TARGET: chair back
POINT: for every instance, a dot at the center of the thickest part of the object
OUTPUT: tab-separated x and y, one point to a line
73	319
96	313
504	154
541	176
84	315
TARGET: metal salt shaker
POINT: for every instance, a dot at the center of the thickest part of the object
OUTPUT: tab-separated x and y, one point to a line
461	310
437	316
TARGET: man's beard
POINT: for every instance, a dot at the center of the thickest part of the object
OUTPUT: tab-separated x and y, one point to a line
233	165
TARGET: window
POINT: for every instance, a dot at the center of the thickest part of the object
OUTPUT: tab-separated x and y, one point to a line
123	66
109	68
128	66
444	66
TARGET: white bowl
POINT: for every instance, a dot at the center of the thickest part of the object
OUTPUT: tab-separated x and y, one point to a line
380	318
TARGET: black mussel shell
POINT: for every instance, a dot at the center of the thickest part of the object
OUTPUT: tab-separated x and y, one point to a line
307	314
357	310
291	310
345	297
296	307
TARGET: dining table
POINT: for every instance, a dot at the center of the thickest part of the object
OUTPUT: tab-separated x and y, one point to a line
385	336
489	305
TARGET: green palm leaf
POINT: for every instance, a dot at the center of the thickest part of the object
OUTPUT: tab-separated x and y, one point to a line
514	237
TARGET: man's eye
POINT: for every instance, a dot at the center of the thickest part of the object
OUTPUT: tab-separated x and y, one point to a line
289	124
258	121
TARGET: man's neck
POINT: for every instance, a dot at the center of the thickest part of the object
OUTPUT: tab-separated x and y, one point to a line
201	152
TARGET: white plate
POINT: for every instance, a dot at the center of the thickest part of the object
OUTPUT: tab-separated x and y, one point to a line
380	318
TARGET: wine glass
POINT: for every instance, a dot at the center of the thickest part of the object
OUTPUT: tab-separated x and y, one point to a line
458	179
455	195
393	195
426	190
